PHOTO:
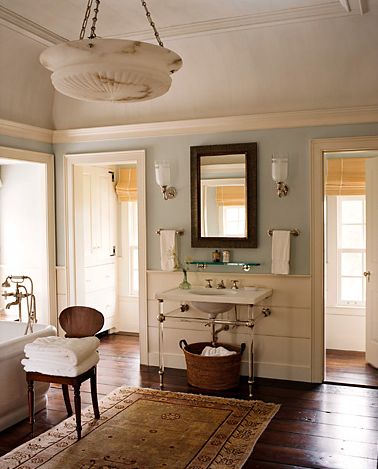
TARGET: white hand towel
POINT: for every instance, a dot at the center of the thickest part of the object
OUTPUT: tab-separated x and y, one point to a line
62	350
216	352
53	369
168	250
280	252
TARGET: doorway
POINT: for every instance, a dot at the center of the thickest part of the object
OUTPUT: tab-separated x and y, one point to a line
27	231
106	252
344	321
345	269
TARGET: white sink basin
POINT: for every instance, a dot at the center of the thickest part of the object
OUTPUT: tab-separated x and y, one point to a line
212	309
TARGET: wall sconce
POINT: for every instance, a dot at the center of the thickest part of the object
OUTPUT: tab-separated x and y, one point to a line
163	179
279	174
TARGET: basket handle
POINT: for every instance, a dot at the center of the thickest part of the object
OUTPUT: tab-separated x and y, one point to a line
183	344
242	348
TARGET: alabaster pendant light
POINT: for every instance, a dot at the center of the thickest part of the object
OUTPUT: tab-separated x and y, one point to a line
116	70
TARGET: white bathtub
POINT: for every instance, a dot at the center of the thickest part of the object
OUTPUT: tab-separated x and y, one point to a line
14	392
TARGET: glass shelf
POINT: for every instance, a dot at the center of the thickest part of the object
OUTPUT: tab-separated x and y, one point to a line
244	265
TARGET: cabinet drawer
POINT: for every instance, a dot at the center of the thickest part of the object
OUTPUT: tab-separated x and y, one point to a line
102	300
99	277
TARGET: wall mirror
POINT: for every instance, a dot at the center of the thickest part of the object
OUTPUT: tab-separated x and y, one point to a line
224	195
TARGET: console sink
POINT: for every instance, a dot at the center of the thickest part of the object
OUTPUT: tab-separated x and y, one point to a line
215	301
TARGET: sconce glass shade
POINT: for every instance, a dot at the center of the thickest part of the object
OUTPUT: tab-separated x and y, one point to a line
162	173
116	70
279	169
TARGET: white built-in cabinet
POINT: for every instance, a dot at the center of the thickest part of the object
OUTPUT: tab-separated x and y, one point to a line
95	240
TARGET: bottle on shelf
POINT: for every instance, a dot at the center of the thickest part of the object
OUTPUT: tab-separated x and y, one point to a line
216	256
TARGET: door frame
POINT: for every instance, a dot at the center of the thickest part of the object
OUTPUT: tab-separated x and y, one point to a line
115	158
46	159
317	149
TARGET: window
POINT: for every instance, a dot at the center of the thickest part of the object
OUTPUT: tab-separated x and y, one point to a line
351	250
133	247
233	220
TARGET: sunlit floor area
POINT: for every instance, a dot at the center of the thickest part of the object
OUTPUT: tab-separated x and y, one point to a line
349	367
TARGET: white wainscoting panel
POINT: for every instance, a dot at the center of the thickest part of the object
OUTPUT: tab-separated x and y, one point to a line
282	341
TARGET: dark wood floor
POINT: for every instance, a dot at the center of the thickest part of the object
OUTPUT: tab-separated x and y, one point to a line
347	367
318	426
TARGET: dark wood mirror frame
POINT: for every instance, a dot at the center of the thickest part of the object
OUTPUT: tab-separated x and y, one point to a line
250	152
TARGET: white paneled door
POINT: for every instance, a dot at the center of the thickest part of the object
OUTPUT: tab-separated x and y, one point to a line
95	206
371	273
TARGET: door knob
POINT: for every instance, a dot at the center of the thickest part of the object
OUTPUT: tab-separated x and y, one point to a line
367	275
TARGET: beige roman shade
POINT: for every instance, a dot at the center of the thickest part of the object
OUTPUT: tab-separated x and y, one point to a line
230	195
126	187
345	176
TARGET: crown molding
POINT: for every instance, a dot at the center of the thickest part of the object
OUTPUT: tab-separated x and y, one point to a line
330	9
357	115
292	119
327	10
28	28
15	129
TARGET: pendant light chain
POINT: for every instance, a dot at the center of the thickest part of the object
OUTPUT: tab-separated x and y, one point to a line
148	14
94	20
86	18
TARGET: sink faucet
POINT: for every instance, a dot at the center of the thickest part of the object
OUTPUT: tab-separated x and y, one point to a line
221	285
235	285
208	285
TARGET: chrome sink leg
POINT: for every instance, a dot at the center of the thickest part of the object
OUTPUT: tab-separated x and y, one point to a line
251	351
161	319
250	368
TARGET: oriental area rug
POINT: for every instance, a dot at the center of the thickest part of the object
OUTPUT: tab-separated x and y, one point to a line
150	429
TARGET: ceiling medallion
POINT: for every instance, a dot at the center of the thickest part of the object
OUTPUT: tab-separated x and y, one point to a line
115	70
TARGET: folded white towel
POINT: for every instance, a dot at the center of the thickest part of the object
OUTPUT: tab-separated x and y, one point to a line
216	352
280	252
168	250
50	368
59	350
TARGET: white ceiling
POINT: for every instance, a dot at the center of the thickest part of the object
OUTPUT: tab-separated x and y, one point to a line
122	18
240	56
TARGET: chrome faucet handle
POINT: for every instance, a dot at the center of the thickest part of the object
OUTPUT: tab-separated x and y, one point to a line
209	280
235	284
221	285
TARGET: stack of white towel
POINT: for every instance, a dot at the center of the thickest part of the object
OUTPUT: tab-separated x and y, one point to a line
216	352
60	356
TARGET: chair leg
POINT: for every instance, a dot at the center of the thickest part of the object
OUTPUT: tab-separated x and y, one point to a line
77	409
94	394
67	401
31	404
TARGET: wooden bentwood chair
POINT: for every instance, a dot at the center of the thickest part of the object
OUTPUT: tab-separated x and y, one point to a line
76	321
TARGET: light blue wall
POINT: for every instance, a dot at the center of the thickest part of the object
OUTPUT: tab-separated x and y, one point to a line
25	144
290	212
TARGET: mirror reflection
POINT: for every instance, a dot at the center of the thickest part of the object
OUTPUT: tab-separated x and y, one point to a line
223	196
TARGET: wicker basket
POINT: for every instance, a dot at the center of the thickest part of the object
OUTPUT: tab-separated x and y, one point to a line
213	373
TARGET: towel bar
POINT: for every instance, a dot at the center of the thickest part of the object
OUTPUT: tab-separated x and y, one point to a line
179	232
294	232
